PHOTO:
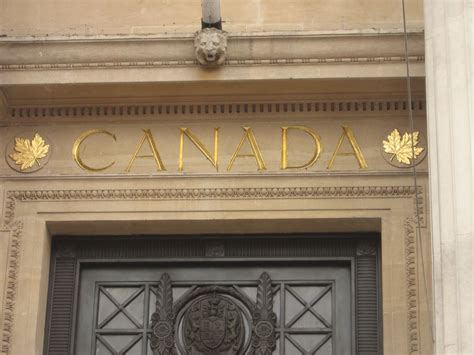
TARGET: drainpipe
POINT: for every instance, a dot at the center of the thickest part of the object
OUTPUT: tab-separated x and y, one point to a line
211	14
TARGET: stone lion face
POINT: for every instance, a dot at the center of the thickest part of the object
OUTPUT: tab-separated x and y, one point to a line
210	46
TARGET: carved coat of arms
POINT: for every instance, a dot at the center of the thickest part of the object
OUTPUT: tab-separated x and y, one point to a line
213	324
214	320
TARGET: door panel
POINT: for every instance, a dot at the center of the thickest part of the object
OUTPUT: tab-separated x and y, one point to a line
312	304
260	294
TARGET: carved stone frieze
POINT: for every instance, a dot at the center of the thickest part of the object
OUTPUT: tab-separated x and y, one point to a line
303	192
9	209
13	268
421	212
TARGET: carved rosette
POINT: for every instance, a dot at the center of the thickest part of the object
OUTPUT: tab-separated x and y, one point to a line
162	337
264	319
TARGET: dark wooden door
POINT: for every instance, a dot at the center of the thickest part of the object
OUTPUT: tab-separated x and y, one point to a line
299	294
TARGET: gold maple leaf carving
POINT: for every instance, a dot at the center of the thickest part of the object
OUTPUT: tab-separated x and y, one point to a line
402	147
28	152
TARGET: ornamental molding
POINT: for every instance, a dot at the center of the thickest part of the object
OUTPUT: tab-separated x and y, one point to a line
222	110
224	193
412	286
230	62
292	48
338	192
13	269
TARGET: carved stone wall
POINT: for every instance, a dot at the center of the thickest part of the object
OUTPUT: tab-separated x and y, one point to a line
21	204
131	19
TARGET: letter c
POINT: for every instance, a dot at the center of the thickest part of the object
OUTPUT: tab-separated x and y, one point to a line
77	144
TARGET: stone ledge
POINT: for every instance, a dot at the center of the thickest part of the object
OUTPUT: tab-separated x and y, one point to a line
49	63
166	51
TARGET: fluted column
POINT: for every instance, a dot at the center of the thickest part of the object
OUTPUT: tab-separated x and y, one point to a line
449	67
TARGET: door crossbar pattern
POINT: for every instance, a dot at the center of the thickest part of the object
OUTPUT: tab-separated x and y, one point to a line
304	309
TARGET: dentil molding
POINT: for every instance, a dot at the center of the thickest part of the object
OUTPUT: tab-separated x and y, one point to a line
222	110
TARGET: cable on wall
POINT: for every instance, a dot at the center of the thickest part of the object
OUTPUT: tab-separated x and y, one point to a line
415	179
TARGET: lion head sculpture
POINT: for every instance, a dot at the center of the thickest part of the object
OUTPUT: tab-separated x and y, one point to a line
210	46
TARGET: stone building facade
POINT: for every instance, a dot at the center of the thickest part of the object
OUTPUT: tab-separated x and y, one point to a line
288	187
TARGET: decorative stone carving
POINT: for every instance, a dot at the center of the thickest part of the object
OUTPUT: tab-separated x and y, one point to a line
219	193
16	229
412	287
210	46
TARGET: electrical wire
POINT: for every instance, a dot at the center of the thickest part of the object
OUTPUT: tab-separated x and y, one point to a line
415	180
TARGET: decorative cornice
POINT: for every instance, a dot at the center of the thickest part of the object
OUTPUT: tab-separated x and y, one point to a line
13	267
222	109
187	63
252	49
411	279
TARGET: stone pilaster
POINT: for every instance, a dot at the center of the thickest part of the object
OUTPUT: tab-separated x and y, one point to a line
449	67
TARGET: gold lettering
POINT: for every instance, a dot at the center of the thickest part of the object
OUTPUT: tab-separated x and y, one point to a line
147	136
77	145
357	152
186	132
284	147
257	154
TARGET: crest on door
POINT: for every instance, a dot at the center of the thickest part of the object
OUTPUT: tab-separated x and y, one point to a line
213	323
214	319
